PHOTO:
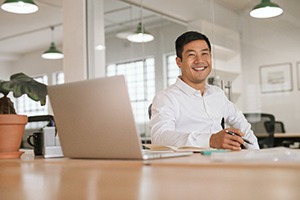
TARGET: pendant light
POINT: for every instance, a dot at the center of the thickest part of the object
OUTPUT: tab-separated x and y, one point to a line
19	6
52	52
266	9
140	35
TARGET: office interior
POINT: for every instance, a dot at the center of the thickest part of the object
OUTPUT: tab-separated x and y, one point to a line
246	51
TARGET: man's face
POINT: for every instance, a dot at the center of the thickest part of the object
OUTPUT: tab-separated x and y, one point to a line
195	64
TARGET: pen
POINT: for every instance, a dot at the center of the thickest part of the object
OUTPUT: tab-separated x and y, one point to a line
232	133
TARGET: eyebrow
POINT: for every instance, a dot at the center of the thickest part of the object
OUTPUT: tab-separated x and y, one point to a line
202	50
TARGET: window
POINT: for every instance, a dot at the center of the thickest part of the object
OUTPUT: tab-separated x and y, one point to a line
173	71
59	78
141	84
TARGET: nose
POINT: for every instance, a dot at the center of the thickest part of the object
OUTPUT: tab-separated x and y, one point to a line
199	59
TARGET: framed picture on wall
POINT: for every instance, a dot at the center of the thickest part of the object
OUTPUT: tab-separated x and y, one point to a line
298	74
276	78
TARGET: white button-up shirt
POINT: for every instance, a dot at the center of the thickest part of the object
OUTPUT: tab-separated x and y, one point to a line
181	116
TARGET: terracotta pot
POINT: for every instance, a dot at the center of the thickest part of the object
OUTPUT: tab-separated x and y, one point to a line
11	134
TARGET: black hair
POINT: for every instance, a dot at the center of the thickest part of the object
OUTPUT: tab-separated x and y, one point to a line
188	37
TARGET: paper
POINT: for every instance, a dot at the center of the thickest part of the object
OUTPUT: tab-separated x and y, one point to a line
203	151
155	147
265	155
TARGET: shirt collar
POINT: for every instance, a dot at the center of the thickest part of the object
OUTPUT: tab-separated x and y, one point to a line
188	89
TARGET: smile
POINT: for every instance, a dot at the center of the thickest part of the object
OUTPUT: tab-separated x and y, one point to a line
199	68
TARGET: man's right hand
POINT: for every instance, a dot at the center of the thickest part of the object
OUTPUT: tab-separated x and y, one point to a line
223	140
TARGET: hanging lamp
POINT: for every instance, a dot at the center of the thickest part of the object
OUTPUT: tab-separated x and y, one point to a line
266	9
19	6
140	35
52	52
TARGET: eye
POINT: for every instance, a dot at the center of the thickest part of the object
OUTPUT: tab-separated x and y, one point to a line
206	54
191	54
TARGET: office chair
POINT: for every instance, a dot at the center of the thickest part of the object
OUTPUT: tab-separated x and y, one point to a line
279	127
263	126
149	111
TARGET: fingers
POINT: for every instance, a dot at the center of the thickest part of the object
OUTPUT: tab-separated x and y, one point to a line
224	140
232	148
236	131
236	138
233	143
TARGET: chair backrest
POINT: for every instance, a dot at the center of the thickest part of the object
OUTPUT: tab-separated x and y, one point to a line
149	111
279	127
263	126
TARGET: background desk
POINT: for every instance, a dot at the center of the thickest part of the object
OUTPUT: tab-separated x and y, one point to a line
193	177
287	135
287	139
279	138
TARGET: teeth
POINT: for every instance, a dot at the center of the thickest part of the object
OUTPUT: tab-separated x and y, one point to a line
199	68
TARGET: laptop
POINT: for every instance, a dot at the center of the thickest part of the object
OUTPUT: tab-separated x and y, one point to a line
94	119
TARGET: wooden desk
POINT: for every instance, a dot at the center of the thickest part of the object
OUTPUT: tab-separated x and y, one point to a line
193	177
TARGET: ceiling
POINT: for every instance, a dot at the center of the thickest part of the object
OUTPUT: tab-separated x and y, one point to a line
28	32
31	32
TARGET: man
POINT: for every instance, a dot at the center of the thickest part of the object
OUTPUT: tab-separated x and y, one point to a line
189	112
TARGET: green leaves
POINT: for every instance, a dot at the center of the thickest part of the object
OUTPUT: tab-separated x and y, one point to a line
21	84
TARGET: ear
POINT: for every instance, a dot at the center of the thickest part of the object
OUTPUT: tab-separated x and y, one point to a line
178	62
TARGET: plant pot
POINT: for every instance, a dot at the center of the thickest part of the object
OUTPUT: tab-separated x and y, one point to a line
11	133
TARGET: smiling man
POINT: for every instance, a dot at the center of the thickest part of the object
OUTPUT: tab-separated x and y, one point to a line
189	112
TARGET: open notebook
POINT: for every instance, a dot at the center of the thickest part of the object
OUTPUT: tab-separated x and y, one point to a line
94	119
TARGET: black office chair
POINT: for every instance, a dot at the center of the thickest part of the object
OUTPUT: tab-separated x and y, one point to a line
263	126
149	111
279	127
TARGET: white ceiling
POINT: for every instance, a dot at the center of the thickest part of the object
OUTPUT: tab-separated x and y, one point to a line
24	33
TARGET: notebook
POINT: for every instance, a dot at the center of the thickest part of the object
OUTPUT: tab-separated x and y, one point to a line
94	119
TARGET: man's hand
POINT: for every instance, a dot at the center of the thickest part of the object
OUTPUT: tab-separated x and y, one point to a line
223	140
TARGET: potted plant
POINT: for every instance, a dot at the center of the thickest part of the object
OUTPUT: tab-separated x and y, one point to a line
11	124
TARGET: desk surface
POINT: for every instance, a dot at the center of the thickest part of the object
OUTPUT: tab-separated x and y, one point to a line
287	135
192	177
279	135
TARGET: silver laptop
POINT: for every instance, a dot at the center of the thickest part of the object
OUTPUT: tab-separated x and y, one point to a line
94	119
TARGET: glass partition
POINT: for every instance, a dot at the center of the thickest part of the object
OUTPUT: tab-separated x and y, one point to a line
255	61
248	54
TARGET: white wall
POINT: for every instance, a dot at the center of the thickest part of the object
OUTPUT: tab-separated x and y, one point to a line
33	65
264	43
5	67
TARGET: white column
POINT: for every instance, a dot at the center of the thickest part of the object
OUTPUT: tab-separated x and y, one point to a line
74	40
96	36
